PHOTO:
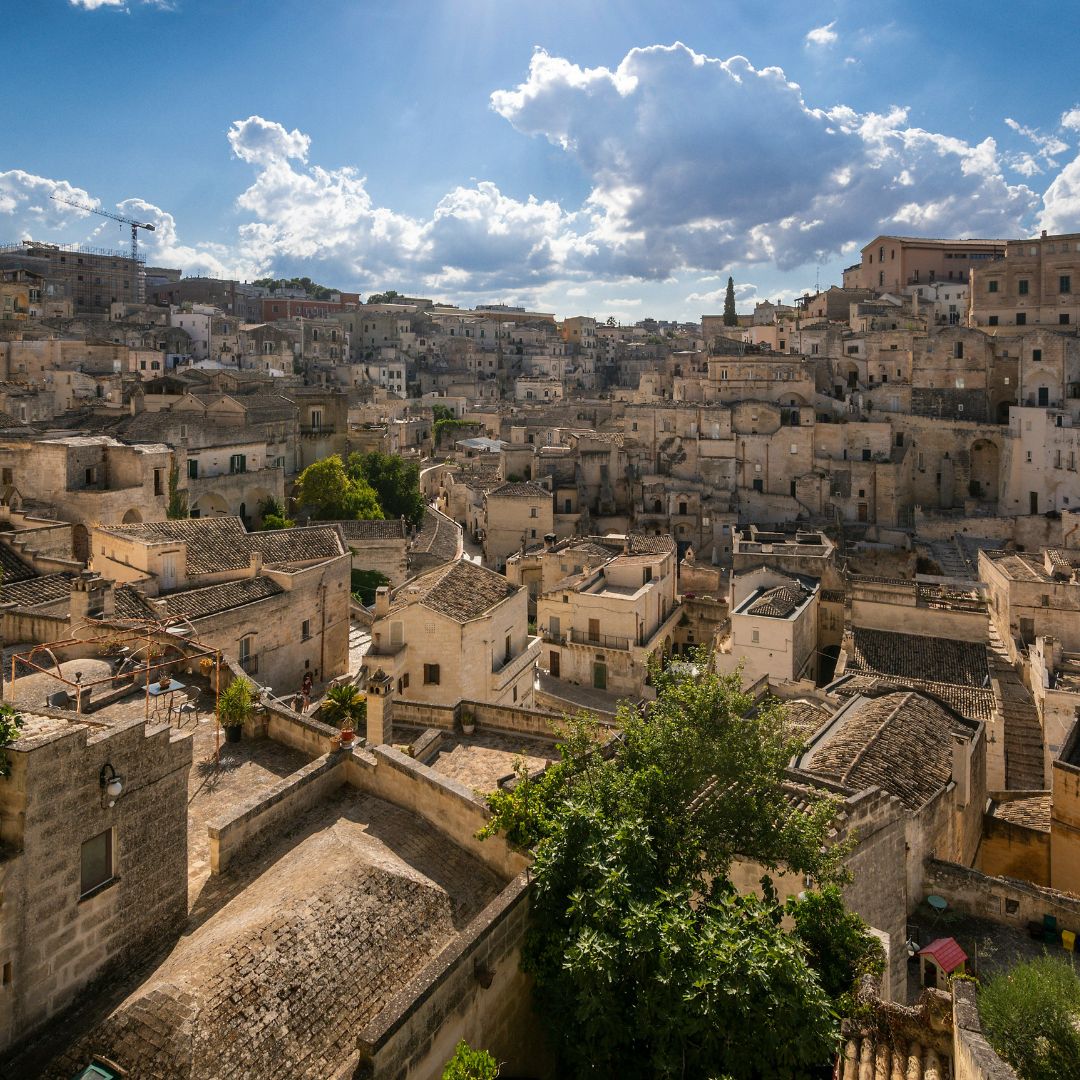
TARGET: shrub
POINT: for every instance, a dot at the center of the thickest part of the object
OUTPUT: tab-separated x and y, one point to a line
1030	1015
470	1064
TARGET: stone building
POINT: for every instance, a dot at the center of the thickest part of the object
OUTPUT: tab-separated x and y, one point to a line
1032	282
515	515
891	263
93	879
458	632
277	602
602	623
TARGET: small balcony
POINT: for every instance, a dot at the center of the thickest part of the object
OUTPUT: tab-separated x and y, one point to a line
600	641
250	664
315	431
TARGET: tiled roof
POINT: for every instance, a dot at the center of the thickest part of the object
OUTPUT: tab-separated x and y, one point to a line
900	742
911	656
131	604
386	529
12	568
461	590
34	591
439	537
803	718
780	602
970	702
199	603
519	490
649	544
1031	811
222	543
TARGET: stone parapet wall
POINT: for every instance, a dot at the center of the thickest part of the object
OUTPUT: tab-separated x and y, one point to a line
276	809
445	804
973	1057
1005	900
474	990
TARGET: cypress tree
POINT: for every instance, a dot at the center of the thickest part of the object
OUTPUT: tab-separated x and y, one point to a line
730	318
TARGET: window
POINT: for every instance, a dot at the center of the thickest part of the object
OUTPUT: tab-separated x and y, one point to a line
1065	283
1021	318
158	476
755	636
96	863
1022	286
1036	356
431	674
305	630
991	286
992	321
1063	319
507	650
958	350
238	463
193	468
533	512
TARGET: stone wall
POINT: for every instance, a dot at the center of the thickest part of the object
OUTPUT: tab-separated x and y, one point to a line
474	990
1005	900
445	804
973	1057
275	809
1009	849
55	940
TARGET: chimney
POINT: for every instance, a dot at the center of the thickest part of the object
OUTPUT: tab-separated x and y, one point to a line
961	768
549	541
382	601
380	708
88	594
255	563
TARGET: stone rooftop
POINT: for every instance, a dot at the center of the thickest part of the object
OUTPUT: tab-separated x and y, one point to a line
911	656
219	544
519	490
900	742
481	760
389	529
290	953
969	702
779	602
461	590
438	537
1031	810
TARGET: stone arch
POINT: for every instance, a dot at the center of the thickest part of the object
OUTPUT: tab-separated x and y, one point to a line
131	517
210	504
985	466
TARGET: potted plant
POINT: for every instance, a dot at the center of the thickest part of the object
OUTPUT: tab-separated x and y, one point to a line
468	723
206	665
345	706
235	705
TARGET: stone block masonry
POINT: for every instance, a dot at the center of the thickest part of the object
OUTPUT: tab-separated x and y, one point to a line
57	935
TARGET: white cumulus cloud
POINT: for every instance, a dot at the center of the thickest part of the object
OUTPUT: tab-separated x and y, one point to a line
823	35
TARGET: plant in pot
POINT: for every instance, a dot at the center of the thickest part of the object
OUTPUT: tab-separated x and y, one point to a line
468	723
235	705
345	707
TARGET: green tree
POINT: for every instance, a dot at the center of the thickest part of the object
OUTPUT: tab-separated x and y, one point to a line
470	1064
363	584
1031	1015
272	514
730	316
328	493
639	947
391	296
396	483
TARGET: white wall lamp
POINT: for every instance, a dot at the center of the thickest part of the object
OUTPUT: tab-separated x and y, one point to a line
112	783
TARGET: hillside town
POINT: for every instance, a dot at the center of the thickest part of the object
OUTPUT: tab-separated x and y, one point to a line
294	579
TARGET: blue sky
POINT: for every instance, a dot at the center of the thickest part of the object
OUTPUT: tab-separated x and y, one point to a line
581	156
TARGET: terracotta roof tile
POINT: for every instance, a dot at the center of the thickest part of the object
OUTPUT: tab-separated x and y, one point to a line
900	742
461	590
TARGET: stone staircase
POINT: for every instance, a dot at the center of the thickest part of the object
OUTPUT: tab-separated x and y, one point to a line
1024	759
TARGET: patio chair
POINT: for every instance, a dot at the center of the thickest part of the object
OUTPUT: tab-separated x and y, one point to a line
186	708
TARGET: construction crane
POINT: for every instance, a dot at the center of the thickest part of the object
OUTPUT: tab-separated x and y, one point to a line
135	225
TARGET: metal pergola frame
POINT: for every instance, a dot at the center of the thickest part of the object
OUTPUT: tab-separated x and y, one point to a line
152	639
